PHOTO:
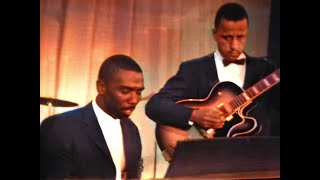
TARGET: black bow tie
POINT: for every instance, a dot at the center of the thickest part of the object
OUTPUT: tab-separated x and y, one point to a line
226	62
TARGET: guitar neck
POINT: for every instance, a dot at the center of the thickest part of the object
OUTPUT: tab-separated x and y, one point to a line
256	90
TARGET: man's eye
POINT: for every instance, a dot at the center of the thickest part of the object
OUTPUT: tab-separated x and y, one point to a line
125	91
226	37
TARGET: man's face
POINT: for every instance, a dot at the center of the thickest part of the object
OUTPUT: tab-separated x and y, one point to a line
231	37
123	93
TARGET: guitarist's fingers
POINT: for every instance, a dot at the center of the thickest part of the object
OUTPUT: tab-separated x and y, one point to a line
166	155
217	126
218	123
213	124
218	111
211	132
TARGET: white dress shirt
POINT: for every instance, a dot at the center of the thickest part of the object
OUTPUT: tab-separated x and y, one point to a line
112	133
233	72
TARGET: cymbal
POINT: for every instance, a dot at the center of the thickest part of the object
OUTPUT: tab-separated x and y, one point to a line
56	102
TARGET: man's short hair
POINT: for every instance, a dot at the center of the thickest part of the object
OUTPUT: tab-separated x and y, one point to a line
119	61
231	11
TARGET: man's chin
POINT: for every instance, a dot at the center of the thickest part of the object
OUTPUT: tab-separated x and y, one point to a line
125	114
232	58
128	112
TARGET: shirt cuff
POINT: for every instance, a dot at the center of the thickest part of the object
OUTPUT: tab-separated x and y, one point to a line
190	123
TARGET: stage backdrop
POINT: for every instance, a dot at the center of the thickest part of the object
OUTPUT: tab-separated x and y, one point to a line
76	36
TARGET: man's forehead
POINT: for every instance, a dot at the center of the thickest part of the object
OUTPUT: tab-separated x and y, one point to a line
128	77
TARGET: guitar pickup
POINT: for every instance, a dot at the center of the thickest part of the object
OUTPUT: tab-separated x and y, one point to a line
229	118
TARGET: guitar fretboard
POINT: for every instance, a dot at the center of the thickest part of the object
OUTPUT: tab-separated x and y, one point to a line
256	90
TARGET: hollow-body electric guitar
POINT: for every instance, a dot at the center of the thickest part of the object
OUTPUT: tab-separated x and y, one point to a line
229	98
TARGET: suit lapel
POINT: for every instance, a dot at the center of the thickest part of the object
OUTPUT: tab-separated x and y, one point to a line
211	70
127	142
250	73
94	131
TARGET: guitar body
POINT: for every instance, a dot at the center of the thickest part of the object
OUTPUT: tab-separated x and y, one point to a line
220	94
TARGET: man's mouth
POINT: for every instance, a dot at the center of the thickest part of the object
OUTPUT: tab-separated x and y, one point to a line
128	110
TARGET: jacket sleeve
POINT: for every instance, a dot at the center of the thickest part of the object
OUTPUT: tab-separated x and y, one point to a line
55	154
162	107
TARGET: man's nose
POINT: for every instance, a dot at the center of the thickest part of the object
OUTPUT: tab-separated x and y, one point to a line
234	43
134	98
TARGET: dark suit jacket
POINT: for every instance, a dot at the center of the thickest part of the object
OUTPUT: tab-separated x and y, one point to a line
72	146
195	78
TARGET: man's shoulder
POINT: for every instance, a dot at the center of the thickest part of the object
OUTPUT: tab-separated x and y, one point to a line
70	113
263	61
199	60
66	117
254	58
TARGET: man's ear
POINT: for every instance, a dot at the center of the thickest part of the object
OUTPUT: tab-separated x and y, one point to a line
100	85
214	30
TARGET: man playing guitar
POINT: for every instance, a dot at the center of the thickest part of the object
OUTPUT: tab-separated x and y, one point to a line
218	93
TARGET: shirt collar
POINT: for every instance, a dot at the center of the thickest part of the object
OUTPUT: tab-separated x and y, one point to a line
218	56
100	113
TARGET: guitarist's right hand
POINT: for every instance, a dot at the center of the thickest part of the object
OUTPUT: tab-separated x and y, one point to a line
208	118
